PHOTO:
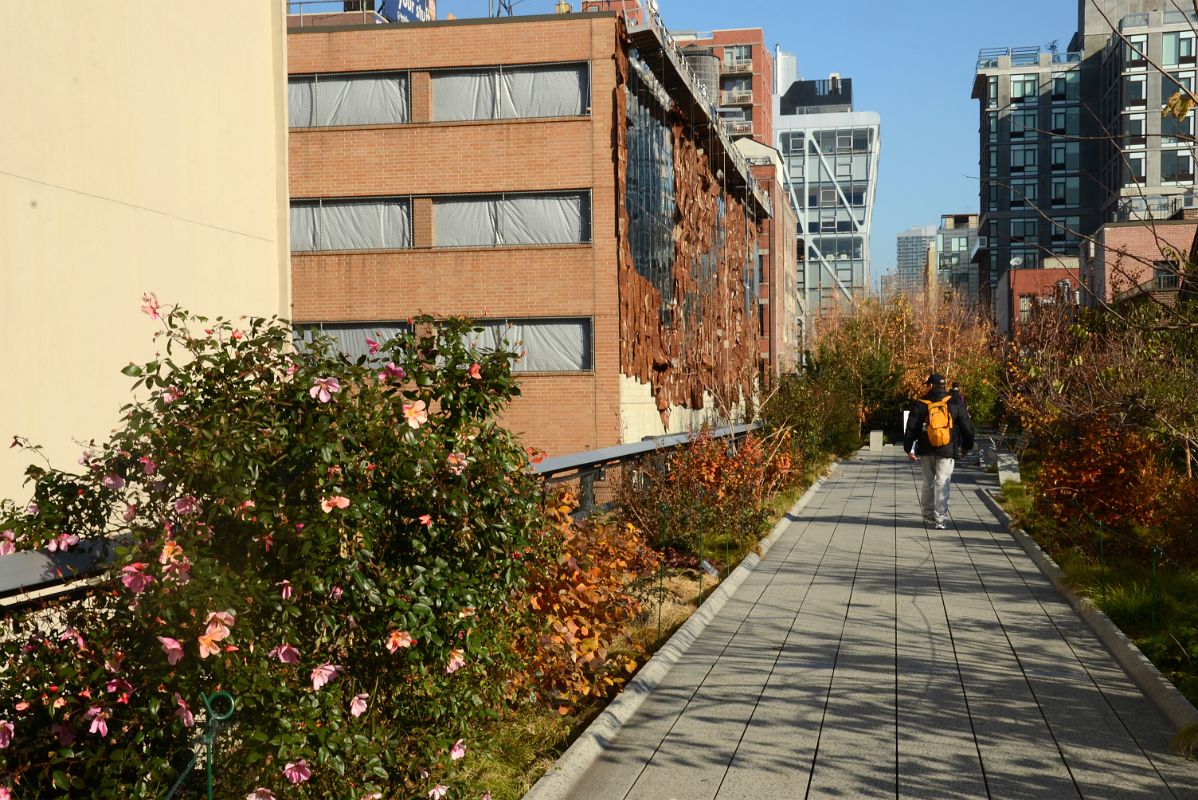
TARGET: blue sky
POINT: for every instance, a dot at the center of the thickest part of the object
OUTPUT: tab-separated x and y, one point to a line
912	61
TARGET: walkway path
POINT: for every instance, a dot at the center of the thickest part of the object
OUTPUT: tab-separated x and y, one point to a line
868	656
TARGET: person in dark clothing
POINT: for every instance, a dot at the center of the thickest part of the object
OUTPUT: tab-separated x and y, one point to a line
937	462
959	396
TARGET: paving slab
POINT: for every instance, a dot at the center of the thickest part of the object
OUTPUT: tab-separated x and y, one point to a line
866	655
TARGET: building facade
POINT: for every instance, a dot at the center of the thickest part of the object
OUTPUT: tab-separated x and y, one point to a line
746	79
956	273
831	154
912	256
114	182
529	172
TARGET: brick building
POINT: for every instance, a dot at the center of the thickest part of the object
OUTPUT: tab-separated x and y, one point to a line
1130	258
556	178
746	79
1021	293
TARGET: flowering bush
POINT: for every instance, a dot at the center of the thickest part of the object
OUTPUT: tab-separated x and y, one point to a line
327	540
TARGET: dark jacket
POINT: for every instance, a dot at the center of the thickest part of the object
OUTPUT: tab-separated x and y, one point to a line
962	435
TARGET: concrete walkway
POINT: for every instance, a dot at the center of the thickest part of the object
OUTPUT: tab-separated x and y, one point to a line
868	656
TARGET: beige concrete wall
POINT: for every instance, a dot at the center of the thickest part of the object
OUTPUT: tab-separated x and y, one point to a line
639	417
143	148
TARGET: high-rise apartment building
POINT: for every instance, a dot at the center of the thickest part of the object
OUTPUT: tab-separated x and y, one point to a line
1073	140
746	79
956	275
831	153
912	246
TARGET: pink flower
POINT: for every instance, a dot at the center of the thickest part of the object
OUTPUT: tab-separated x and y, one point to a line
8	543
5	794
399	639
147	465
130	512
134	579
357	706
6	732
297	771
458	750
391	372
438	791
72	635
172	648
187	506
287	591
476	372
118	685
457	660
336	593
286	654
170	394
149	304
260	794
208	646
486	796
323	674
223	617
99	718
415	413
183	712
457	463
371	345
171	551
112	481
335	501
323	389
62	542
426	520
238	335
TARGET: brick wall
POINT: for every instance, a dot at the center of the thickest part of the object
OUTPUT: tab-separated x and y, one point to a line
560	413
1127	252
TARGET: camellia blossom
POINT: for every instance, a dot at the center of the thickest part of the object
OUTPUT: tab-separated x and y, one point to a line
415	413
438	791
183	712
8	543
237	335
261	793
486	796
187	506
391	372
285	653
457	463
208	646
426	520
458	750
335	501
172	648
149	305
61	542
399	639
134	579
476	372
5	794
147	465
170	394
323	674
130	512
323	389
336	593
171	551
371	345
99	718
223	617
297	771
357	706
6	732
457	660
112	481
286	589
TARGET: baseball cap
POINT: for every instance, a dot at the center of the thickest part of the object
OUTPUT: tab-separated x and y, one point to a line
935	378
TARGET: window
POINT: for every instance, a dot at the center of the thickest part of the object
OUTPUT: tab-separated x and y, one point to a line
1133	130
374	224
991	126
1066	155
1023	158
516	92
1023	124
1176	131
1064	229
1174	82
1176	166
1023	192
1025	88
350	337
1065	191
547	345
736	53
1133	170
1066	122
1025	308
1133	91
374	98
992	162
1023	258
514	219
1024	230
761	259
992	91
993	193
827	196
861	141
844	140
1065	85
1134	50
1178	49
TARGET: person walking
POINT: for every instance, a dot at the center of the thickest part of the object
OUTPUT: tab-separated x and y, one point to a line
939	431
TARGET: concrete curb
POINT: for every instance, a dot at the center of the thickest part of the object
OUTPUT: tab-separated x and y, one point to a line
587	748
1180	712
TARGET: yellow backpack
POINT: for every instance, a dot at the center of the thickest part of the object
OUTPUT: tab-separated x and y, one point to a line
940	422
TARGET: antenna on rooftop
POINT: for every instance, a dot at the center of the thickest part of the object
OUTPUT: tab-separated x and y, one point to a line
1052	47
502	7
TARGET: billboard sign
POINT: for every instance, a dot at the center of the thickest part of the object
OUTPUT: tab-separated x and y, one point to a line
410	10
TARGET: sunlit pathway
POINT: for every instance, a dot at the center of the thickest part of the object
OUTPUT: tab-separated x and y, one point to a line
867	656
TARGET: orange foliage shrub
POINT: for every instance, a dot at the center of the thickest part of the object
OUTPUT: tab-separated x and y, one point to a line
579	603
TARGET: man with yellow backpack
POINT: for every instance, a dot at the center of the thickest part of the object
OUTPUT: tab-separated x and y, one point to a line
939	431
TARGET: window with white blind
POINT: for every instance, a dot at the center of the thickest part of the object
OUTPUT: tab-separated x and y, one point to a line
511	92
359	224
512	219
545	345
372	98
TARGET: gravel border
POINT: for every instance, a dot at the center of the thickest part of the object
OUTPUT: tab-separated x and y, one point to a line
1152	683
587	748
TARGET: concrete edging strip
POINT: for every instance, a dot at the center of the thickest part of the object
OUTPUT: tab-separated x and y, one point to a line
561	777
1180	712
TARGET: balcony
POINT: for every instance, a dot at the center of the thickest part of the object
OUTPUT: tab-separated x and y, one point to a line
737	97
738	127
736	66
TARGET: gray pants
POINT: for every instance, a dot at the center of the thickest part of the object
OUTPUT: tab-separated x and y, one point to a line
937	480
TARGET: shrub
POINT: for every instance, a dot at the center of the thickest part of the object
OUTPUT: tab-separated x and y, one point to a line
327	540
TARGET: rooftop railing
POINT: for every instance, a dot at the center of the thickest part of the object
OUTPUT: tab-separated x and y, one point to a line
988	57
